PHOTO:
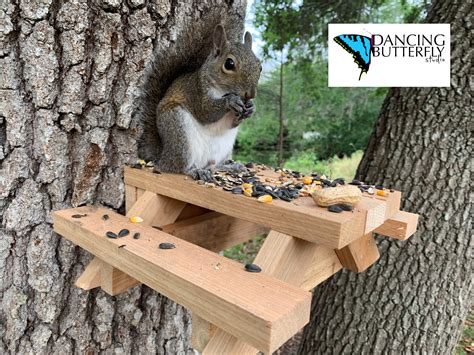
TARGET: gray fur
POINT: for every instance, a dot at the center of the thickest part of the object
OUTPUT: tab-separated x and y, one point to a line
183	78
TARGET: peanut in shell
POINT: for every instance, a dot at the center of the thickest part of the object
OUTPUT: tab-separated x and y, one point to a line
346	194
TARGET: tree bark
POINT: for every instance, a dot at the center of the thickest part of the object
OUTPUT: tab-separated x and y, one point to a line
415	298
71	72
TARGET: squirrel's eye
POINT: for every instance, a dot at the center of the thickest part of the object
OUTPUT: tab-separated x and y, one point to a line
229	64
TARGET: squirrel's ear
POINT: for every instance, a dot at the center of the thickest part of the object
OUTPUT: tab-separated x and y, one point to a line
220	39
248	40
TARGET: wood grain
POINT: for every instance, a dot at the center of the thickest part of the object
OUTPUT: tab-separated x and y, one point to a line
215	231
298	262
360	254
300	218
90	278
257	308
400	226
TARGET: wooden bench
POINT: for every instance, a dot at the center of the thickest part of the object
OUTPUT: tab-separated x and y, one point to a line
234	311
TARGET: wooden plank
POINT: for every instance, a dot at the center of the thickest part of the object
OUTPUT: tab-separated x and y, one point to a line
202	332
191	211
401	226
113	281
130	197
257	308
156	209
151	208
215	231
376	211
332	229
360	254
298	262
90	278
224	343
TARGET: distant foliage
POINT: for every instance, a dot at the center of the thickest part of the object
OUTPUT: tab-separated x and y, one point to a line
320	121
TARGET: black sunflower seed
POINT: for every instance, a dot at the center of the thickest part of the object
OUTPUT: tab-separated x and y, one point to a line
123	233
111	235
345	207
78	215
355	182
136	235
136	166
166	246
237	190
105	217
249	165
335	209
379	187
252	268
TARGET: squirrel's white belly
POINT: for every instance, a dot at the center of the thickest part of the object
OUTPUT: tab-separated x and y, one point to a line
212	143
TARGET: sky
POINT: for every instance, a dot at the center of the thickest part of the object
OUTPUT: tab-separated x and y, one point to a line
269	64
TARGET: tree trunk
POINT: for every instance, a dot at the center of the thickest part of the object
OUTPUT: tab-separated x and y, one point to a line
416	297
70	78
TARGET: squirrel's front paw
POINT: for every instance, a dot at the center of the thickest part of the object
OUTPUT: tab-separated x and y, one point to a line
235	103
249	109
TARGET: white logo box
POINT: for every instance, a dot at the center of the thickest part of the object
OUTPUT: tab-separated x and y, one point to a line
401	55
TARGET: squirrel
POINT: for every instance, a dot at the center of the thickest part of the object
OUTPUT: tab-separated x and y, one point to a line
190	122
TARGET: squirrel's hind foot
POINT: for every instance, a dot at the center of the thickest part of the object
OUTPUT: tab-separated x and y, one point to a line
205	175
231	167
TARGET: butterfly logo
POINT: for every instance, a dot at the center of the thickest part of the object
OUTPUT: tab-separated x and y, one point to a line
360	47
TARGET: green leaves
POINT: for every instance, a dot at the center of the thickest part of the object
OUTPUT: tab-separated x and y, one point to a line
322	121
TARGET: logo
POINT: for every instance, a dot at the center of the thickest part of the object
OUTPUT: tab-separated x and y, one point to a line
360	47
403	55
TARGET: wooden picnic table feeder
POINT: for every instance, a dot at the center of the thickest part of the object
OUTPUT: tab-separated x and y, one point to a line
234	311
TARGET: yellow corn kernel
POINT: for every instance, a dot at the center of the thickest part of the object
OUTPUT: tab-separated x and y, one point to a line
142	162
247	186
307	180
136	219
382	193
248	192
265	199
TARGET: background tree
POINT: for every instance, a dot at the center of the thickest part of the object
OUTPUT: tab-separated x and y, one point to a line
69	80
415	298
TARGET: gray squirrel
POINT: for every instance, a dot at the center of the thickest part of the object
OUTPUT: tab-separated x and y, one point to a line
190	122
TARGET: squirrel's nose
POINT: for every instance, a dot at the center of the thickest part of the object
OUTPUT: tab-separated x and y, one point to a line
250	94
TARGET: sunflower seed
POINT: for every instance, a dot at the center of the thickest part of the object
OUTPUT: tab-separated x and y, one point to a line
111	235
79	215
335	209
166	246
237	190
252	268
136	235
123	233
345	207
105	217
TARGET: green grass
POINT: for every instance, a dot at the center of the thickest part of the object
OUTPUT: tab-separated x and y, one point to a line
332	168
245	252
466	343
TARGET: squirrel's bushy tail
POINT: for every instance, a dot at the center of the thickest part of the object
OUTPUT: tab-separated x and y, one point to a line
186	50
